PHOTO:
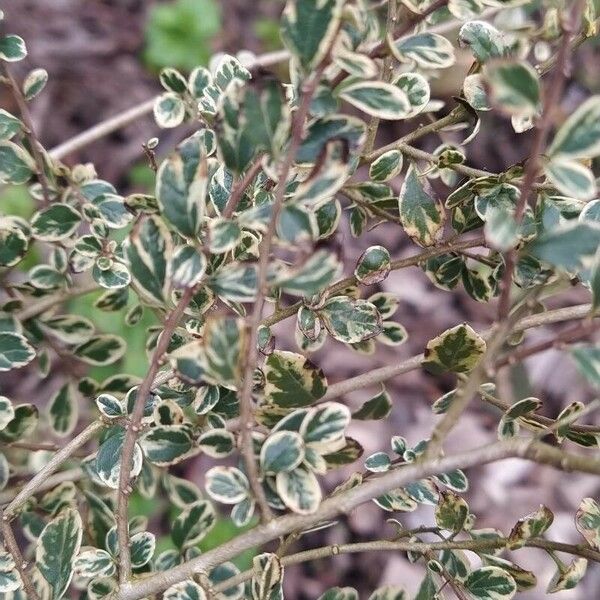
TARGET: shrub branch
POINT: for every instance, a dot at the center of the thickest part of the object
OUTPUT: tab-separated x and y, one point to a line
343	503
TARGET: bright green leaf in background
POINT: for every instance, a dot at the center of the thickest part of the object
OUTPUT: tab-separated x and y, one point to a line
179	33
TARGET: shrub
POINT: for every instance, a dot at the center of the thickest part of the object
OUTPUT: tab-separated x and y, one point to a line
236	239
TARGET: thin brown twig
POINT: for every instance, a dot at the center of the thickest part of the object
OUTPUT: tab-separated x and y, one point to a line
466	392
238	190
459	112
132	431
387	70
382	374
567	336
542	421
481	545
552	95
29	131
246	413
356	198
42	446
451	245
51	466
344	502
20	564
45	303
51	481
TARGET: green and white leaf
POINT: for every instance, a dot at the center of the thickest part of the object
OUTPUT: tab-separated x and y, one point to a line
63	411
386	303
14	243
571	246
524	579
188	266
427	50
94	562
102	588
15	351
379	462
281	451
9	125
100	350
227	485
185	590
10	580
579	135
16	165
236	282
55	223
56	549
324	426
110	407
451	512
181	186
312	277
475	92
392	334
378	407
12	48
514	87
349	320
217	443
355	63
223	235
465	9
7	412
299	490
566	578
533	525
417	90
421	215
22	425
69	329
291	380
570	177
115	277
149	251
166	445
457	349
169	110
224	347
34	83
108	459
587	521
386	166
142	545
193	524
485	41
377	99
490	583
373	265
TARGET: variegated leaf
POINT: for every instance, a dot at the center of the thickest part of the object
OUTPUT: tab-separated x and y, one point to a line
56	549
350	321
421	216
299	490
458	349
291	380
